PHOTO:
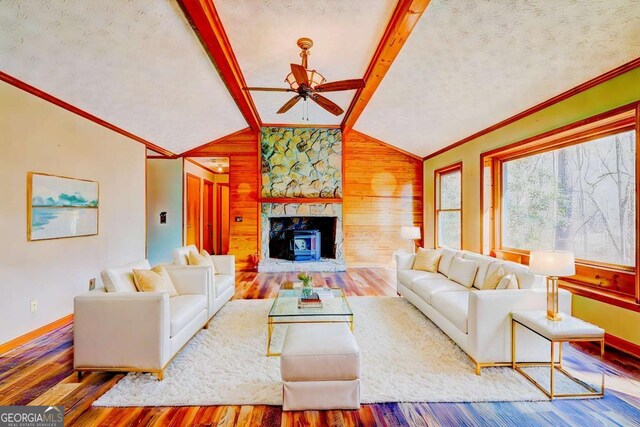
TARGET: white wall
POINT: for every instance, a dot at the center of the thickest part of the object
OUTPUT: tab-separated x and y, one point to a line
41	137
164	194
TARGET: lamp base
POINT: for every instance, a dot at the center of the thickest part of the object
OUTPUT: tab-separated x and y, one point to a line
554	316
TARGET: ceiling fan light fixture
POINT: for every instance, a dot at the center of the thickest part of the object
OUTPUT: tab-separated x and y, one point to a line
315	79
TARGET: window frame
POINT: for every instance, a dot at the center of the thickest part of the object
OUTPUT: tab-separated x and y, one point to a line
437	175
611	283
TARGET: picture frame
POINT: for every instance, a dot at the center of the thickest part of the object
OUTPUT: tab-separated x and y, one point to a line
60	207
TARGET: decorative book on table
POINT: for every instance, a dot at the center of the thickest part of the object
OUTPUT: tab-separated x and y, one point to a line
310	301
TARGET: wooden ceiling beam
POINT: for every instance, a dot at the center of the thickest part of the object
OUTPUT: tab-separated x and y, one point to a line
404	18
206	23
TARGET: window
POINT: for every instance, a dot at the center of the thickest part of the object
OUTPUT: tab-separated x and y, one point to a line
579	198
574	189
448	229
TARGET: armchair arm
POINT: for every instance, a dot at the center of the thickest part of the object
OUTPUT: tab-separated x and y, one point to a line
404	261
489	320
225	264
121	330
190	279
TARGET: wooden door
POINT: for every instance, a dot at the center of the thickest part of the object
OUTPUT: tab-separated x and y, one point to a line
193	210
223	223
207	217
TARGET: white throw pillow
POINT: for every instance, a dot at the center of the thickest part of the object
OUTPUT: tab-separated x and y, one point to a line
508	282
463	271
445	260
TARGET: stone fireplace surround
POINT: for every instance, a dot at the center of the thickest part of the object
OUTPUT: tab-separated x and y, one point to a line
272	210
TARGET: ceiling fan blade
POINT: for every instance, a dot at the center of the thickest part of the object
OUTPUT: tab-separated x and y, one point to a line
340	85
290	103
300	74
268	89
328	105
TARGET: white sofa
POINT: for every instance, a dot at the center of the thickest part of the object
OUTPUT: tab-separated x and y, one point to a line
479	321
221	285
117	328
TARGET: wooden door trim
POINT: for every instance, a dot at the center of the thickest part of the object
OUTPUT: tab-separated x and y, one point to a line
205	183
199	225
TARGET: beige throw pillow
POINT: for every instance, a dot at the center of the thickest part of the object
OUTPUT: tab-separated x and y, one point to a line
427	260
155	280
463	271
508	282
492	280
202	258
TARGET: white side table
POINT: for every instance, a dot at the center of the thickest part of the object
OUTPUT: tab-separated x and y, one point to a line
569	329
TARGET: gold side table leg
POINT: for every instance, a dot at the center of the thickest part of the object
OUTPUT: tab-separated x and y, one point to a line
552	368
269	334
513	344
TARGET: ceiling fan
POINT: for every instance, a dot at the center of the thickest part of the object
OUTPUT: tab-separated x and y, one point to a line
309	83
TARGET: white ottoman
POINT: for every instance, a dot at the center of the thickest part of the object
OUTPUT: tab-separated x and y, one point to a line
320	367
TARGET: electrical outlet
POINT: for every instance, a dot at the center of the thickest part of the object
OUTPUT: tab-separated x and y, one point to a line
34	305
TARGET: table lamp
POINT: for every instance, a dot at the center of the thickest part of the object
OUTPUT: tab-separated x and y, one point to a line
410	233
552	264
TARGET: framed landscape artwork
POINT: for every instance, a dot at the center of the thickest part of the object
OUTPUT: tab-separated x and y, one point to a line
61	207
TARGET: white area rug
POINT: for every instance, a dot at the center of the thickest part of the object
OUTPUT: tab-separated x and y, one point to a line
406	358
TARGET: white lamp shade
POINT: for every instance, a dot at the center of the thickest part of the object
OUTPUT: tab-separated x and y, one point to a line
410	233
552	263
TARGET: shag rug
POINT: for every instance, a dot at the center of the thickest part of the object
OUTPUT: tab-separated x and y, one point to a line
405	358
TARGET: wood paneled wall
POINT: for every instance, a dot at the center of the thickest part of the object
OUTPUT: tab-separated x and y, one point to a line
382	192
242	150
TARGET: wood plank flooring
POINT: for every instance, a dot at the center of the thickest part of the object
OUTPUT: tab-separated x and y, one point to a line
41	373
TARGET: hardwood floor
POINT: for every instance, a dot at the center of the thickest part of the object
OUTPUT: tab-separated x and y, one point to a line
41	373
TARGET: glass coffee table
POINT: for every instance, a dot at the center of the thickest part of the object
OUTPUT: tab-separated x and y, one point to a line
335	309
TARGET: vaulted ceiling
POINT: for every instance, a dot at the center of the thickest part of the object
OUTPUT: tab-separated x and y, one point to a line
467	65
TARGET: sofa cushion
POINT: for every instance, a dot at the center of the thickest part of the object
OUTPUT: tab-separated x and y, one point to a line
463	271
155	280
120	279
427	260
223	282
426	288
181	255
493	277
508	282
407	277
483	266
183	309
526	279
454	306
446	258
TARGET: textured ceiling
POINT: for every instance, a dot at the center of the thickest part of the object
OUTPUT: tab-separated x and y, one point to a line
471	64
136	64
263	35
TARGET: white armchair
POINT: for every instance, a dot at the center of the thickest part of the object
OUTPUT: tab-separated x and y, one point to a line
221	285
117	328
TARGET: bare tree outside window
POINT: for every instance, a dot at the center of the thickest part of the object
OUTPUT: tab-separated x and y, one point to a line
449	210
579	198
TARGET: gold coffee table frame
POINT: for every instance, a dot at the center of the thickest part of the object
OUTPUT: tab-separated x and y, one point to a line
592	392
285	311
